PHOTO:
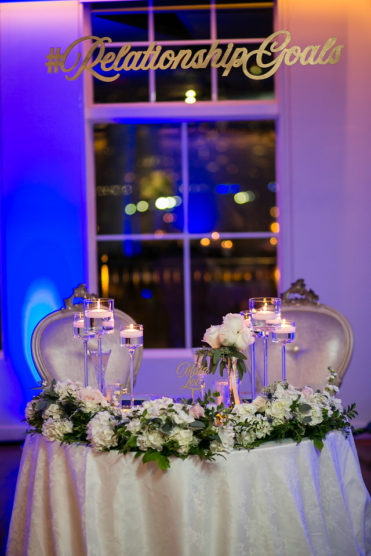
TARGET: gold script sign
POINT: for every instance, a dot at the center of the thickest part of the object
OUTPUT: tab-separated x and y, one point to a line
194	375
275	50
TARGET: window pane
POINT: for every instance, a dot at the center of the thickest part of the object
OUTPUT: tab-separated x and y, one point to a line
145	278
172	85
182	25
138	178
121	90
121	27
237	86
224	278
244	23
232	176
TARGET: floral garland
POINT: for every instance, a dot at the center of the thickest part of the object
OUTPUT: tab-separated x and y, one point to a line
158	429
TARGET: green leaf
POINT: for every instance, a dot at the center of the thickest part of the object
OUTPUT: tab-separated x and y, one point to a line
197	425
167	428
303	407
318	442
241	368
162	461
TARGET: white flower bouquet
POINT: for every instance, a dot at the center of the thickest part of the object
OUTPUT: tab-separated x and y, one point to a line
227	342
159	429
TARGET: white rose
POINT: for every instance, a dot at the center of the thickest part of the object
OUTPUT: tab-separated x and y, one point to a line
151	439
56	429
100	431
53	412
211	336
235	332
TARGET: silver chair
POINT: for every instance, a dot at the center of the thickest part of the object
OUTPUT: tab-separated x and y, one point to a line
58	355
324	338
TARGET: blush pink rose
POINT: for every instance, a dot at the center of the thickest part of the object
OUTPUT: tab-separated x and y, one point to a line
307	392
197	411
259	402
91	395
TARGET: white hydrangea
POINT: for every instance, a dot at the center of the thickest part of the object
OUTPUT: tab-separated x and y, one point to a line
30	410
100	431
316	416
290	393
180	416
55	429
227	437
134	426
246	437
184	437
157	408
279	410
67	388
53	411
262	426
150	439
244	412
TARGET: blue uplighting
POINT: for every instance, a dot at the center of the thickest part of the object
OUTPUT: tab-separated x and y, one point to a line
146	293
272	186
225	188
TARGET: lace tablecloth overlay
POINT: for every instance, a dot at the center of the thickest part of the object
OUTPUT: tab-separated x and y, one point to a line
278	499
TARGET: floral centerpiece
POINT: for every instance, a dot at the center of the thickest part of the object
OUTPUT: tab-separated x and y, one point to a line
227	343
69	413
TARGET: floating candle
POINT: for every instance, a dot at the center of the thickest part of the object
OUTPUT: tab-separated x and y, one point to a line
99	313
131	333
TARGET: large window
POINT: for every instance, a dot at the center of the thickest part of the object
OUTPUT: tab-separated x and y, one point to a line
186	210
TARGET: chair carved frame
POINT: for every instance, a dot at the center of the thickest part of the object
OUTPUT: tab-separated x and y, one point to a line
299	298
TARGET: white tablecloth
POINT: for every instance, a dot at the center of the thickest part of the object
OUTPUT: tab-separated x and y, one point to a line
279	499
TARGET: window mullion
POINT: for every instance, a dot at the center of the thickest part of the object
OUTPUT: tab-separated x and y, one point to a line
214	71
151	38
186	242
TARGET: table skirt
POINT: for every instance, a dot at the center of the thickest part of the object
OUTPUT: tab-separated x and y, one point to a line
278	499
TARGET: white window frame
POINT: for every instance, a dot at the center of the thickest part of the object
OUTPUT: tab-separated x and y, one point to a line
152	112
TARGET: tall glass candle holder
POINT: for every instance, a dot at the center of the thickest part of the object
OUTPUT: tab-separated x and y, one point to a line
99	320
131	338
257	334
265	313
284	333
80	334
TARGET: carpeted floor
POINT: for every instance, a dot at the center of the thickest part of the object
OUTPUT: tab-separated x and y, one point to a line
10	455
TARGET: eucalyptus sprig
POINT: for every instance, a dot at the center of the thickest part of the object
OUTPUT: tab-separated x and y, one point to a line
222	357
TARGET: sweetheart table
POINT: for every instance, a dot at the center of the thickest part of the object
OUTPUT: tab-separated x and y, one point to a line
278	499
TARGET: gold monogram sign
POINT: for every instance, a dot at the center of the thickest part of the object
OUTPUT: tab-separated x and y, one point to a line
194	375
275	49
